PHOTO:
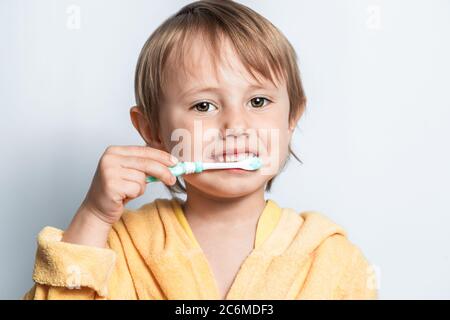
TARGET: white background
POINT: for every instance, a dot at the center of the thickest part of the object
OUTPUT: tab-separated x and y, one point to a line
374	139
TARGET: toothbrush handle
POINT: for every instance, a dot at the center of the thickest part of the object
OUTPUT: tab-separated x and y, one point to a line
151	179
180	169
176	170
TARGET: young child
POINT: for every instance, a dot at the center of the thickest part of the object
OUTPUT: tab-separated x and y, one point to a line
219	70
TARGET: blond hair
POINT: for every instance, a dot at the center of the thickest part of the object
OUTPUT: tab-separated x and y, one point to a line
261	47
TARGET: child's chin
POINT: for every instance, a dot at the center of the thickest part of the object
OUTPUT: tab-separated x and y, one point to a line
228	186
229	193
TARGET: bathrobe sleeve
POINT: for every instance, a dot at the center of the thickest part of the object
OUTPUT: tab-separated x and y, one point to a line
359	279
71	271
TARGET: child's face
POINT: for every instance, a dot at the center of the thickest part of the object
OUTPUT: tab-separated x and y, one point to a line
231	116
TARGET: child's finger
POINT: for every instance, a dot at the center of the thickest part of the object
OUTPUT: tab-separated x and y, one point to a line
148	166
143	152
136	176
131	189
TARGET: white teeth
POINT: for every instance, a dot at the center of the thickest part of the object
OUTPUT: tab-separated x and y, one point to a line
230	158
234	158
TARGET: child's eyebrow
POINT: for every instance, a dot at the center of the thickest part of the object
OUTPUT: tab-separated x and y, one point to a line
261	86
199	90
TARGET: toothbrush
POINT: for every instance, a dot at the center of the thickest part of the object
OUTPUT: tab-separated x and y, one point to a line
187	167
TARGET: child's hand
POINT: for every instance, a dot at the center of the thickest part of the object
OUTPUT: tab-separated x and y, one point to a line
120	177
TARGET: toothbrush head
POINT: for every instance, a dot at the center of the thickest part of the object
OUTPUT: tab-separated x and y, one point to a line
252	163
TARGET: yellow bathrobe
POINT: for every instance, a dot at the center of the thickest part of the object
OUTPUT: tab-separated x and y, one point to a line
152	253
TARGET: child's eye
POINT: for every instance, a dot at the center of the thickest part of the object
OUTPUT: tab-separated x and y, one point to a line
259	102
203	106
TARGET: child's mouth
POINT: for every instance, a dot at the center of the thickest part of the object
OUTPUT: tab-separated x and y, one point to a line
233	157
237	170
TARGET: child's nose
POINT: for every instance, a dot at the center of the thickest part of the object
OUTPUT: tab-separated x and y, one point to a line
234	119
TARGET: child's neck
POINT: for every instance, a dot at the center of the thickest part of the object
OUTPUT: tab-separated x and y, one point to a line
226	212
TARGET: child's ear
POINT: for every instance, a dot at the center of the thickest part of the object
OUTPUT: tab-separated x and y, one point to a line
143	127
293	122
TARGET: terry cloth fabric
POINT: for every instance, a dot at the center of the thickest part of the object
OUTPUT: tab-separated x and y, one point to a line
152	253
